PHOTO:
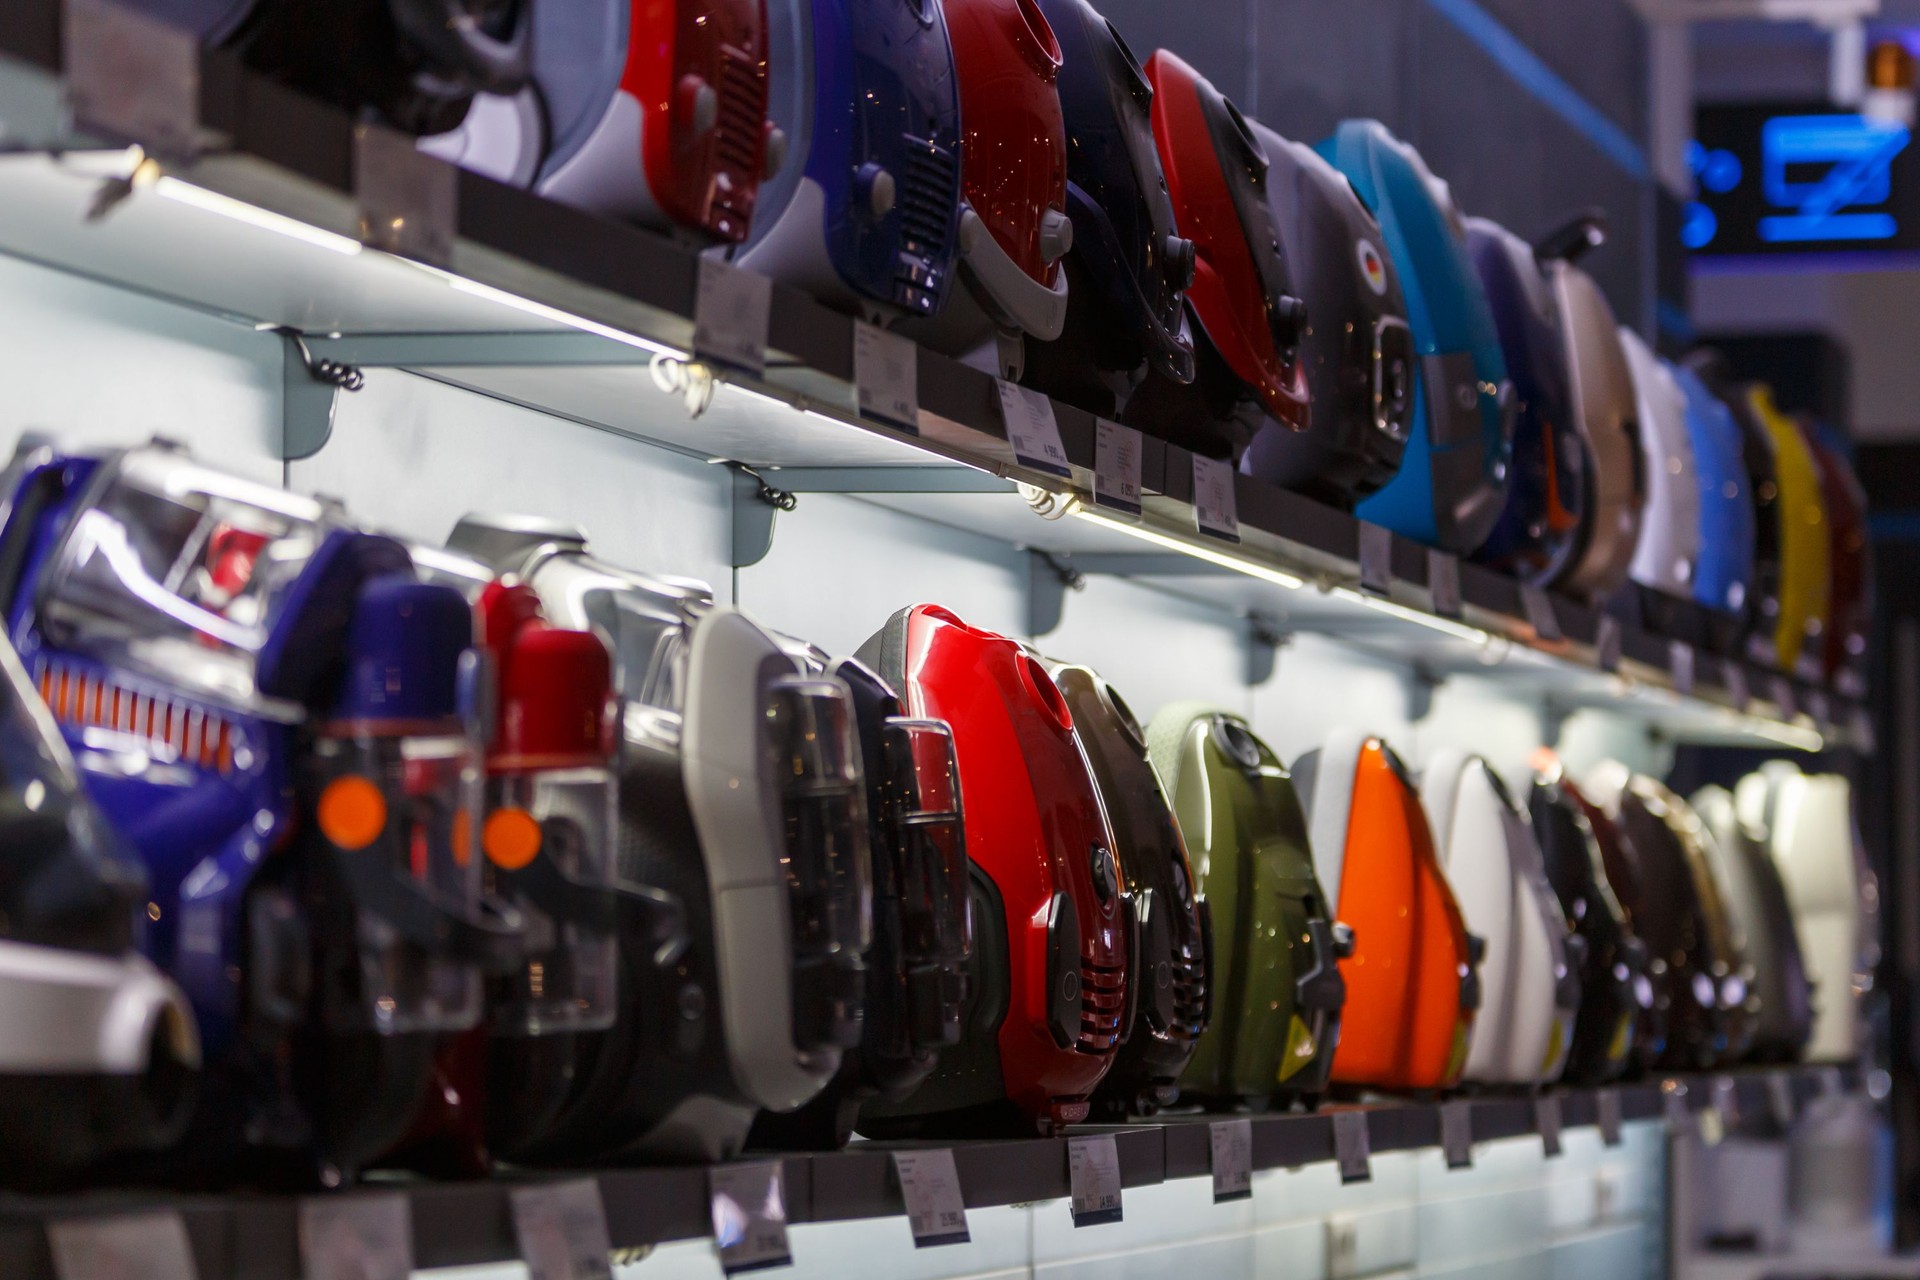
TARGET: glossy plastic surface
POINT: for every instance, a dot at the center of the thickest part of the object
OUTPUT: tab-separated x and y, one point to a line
1850	600
1279	995
1621	864
1051	923
1757	898
657	110
1129	267
1763	493
1670	528
1537	535
1174	994
1412	988
1806	554
1248	321
1606	410
1617	992
865	211
1723	568
1452	482
1493	863
1357	349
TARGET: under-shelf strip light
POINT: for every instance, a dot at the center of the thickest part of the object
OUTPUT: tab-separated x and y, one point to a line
1432	622
1239	564
254	216
541	310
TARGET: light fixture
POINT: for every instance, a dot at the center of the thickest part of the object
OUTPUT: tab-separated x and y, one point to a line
1226	560
254	216
541	310
1445	626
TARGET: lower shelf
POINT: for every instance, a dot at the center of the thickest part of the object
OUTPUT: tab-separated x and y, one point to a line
247	1236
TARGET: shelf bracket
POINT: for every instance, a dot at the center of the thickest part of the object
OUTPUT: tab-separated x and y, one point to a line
1265	639
1049	578
1422	683
310	387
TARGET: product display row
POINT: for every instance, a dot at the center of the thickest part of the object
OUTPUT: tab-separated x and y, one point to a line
350	852
1006	183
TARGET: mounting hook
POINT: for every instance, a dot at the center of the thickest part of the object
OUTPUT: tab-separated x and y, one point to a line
1265	639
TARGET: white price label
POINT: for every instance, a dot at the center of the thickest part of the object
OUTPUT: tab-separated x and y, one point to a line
1351	1146
886	376
1093	1171
1538	606
1735	678
1760	650
356	1237
1680	666
1032	430
1780	1099
1786	699
1607	1106
562	1230
1116	467
133	75
1443	583
1711	1125
1831	1083
1820	707
1376	559
1456	1133
1546	1118
732	309
1215	508
409	201
749	1209
930	1186
1606	643
137	1246
1232	1143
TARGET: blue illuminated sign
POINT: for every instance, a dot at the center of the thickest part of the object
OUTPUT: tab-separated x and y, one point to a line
1800	179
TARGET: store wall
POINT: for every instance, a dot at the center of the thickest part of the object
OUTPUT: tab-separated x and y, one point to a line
92	366
1530	110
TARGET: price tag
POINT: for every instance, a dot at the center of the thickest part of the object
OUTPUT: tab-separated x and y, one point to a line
1712	1127
1606	643
886	376
930	1185
136	1246
749	1208
1116	467
1673	1101
409	201
1831	1085
1232	1142
1607	1104
732	309
1760	650
1780	1099
1093	1171
1735	678
1820	707
1032	429
1351	1146
133	75
1546	1118
562	1229
1376	559
356	1237
1680	666
1785	699
1538	606
1443	583
1214	506
1456	1133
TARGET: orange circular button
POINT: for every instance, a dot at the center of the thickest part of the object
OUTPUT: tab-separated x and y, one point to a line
352	813
511	838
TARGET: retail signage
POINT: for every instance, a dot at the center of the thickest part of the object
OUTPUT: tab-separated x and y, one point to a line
1801	178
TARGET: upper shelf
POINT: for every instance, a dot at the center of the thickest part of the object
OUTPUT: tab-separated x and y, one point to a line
567	313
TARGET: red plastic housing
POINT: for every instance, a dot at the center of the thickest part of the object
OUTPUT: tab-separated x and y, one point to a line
1036	827
1229	293
1015	168
556	693
698	69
